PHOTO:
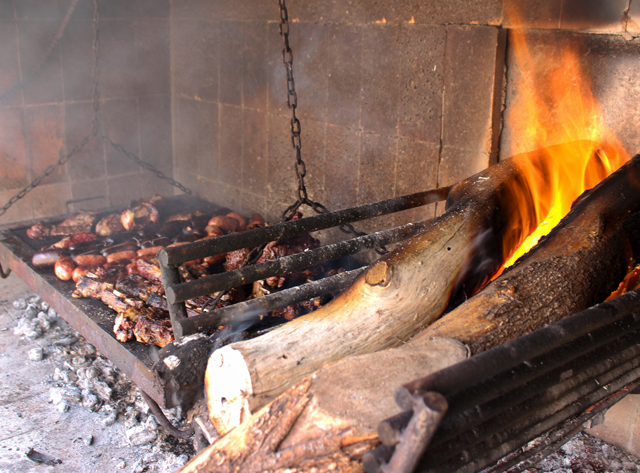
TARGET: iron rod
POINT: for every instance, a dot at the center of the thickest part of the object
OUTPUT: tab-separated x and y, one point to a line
242	311
177	255
248	274
510	354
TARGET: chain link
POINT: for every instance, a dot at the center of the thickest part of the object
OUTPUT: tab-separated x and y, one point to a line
95	125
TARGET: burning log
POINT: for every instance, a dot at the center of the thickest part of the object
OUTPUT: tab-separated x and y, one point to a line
392	301
310	428
331	418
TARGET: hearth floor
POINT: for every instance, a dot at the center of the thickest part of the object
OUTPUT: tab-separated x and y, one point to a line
81	441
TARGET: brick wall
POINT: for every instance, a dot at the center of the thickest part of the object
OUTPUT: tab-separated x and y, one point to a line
53	112
394	98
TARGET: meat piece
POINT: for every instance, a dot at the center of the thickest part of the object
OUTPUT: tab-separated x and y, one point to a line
111	272
113	301
152	331
89	287
81	271
224	223
136	286
82	222
109	225
122	256
75	241
124	324
242	222
89	260
255	221
187	216
235	259
148	268
140	216
288	246
127	245
158	301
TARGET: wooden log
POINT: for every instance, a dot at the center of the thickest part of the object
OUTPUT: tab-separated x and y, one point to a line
579	264
392	301
327	421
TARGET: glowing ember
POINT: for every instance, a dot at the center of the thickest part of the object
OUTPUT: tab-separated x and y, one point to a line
553	104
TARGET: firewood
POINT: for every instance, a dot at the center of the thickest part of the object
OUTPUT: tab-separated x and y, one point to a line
327	421
579	264
392	301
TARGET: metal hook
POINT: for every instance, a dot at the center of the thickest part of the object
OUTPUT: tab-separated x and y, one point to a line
4	275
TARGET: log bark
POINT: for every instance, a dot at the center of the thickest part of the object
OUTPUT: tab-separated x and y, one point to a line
579	264
392	301
327	421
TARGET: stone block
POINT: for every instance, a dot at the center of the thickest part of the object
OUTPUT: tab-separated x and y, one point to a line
9	70
531	14
254	152
196	141
44	128
118	61
50	200
230	165
152	46
6	11
231	62
310	62
194	59
40	10
417	171
155	131
13	150
76	50
152	8
620	426
277	75
95	190
120	122
151	184
255	72
89	162
20	211
344	50
594	15
282	183
35	37
342	167
380	82
458	164
633	18
314	157
473	88
421	56
125	188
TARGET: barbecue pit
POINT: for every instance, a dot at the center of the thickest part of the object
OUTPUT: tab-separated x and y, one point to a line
425	88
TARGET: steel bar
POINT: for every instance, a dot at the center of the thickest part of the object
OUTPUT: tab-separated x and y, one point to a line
493	449
177	310
175	256
211	284
545	403
510	354
243	311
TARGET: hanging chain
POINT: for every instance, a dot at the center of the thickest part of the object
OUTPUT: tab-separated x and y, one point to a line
95	128
94	122
146	165
296	141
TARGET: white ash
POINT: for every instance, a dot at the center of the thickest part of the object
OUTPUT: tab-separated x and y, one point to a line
84	379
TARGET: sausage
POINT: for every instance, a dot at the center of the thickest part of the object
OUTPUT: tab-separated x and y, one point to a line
81	271
150	251
256	219
213	231
121	255
129	245
48	257
225	223
242	222
89	260
215	259
64	268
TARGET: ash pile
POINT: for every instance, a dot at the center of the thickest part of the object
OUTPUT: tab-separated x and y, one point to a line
84	379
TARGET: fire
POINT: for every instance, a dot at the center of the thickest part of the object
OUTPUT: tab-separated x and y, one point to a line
553	105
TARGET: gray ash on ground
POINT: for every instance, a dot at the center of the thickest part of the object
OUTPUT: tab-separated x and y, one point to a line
84	379
582	454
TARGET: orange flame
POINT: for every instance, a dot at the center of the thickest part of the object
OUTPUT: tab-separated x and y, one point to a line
553	105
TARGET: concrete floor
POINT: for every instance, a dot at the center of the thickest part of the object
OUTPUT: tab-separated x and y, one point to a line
30	421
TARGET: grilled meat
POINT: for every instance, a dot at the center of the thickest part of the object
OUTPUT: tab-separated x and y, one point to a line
148	326
82	222
109	225
135	285
235	259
